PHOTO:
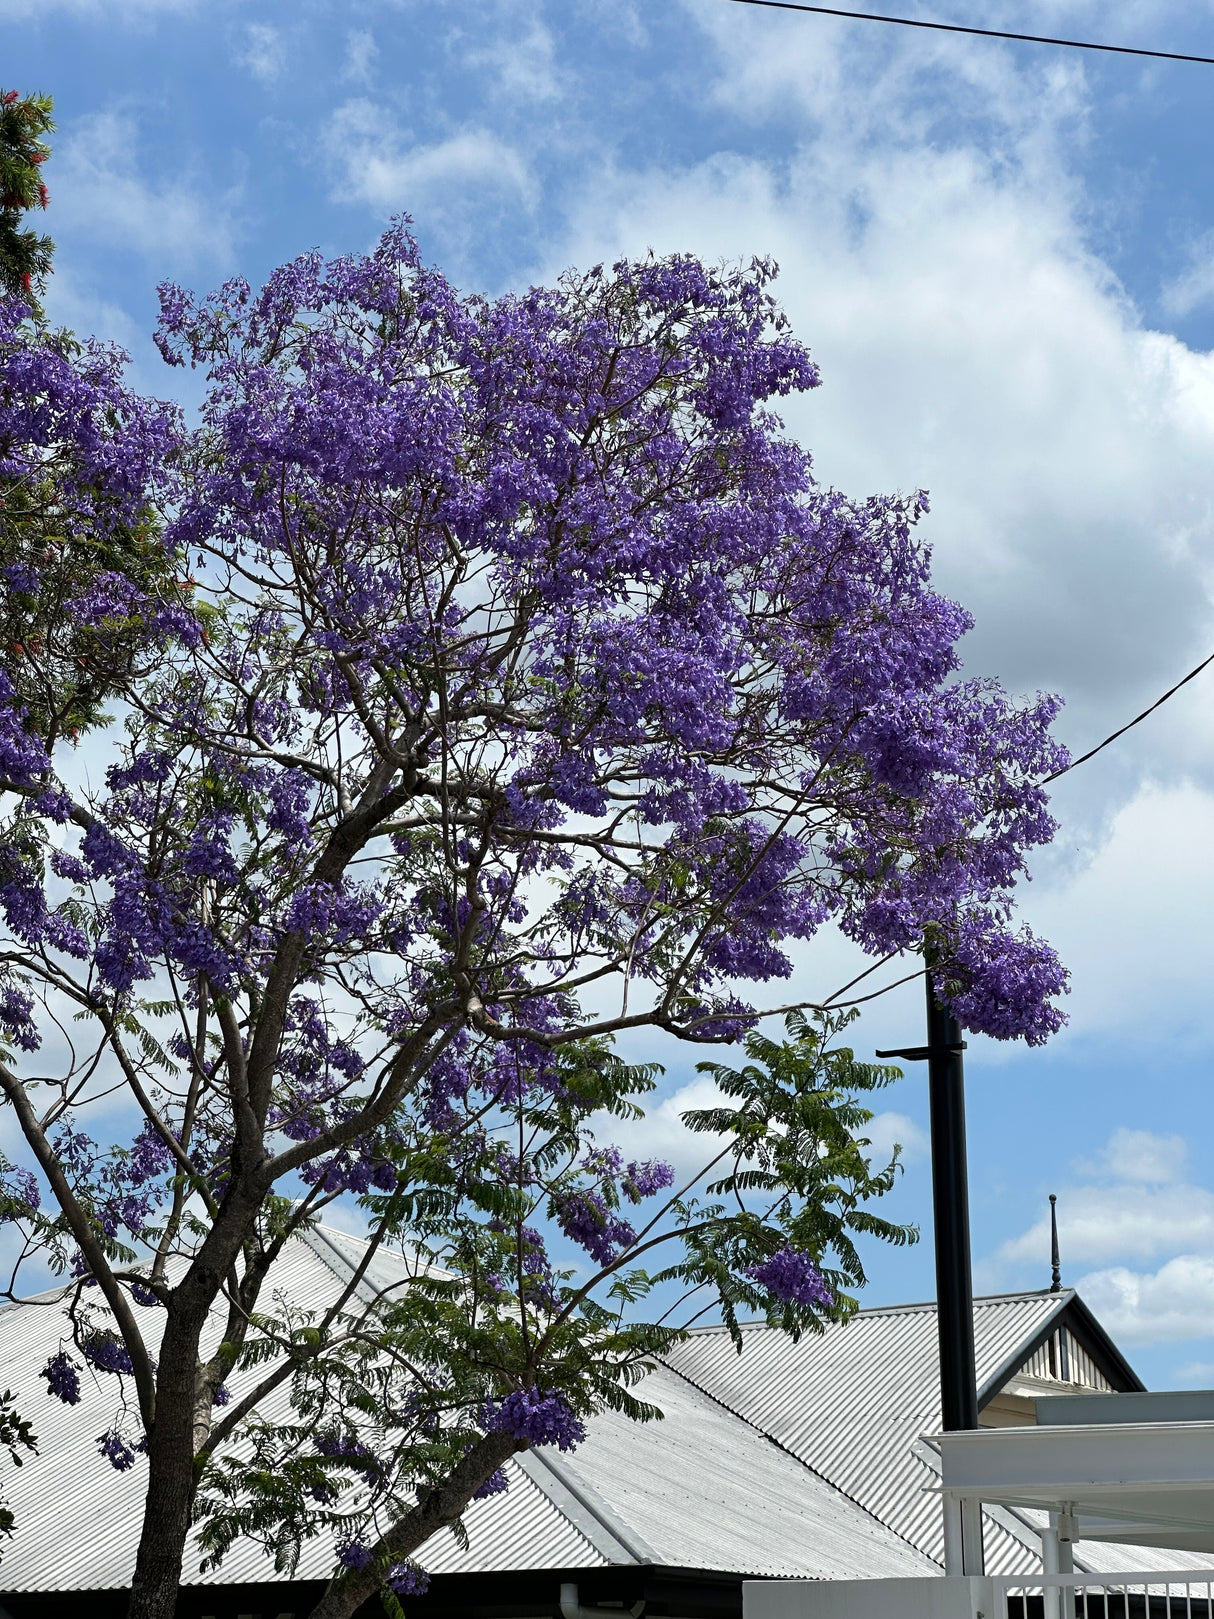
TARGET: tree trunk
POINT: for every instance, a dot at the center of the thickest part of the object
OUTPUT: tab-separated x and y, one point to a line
438	1508
171	1483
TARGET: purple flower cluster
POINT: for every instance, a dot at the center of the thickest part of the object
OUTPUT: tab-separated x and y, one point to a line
107	1352
538	1418
62	1378
116	1450
19	1193
585	1218
647	1179
342	1447
495	1484
406	1579
353	1554
793	1277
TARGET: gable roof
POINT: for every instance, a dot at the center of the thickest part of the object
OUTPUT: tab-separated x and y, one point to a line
659	1494
793	1459
853	1401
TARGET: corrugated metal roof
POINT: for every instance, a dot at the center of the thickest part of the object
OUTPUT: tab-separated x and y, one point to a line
793	1459
78	1520
707	1491
851	1402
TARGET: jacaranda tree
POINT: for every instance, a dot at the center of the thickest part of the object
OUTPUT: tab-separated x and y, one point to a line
509	684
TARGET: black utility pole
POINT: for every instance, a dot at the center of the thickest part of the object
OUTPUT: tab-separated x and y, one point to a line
954	1281
951	1204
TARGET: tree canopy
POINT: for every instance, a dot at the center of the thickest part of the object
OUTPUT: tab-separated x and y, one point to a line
25	256
508	684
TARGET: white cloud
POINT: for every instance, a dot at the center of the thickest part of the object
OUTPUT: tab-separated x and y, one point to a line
1140	1155
1145	1209
662	1134
1123	1221
102	193
361	55
380	166
1175	1302
1133	925
1193	288
1194	1374
887	1130
520	57
263	52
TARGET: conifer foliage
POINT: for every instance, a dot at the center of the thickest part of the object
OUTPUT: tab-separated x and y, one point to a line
25	255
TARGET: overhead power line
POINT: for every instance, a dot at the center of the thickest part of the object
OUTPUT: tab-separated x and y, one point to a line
985	33
1158	703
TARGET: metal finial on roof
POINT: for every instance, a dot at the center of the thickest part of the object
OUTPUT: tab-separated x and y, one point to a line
1055	1272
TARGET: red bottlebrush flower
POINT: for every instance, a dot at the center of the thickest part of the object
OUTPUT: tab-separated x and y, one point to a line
43	194
38	157
25	282
10	98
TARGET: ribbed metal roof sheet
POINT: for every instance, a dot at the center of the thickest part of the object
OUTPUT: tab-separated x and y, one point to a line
801	1460
852	1401
78	1520
704	1490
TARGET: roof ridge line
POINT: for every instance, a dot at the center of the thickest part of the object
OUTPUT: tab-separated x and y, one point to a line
619	1534
317	1239
801	1462
1067	1293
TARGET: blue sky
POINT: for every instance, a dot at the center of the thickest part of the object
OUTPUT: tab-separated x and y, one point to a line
1002	256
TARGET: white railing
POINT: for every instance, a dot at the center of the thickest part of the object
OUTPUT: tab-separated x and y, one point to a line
1158	1595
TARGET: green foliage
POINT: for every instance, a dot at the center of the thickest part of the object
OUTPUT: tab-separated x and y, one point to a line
398	1385
798	1148
16	1436
25	256
56	535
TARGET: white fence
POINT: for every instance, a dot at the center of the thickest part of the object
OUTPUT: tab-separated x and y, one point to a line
1187	1595
1162	1595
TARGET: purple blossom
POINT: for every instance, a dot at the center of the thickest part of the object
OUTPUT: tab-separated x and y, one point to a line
19	1193
793	1277
647	1179
585	1218
495	1484
407	1579
62	1378
353	1554
107	1352
150	1157
342	1447
538	1418
1006	982
116	1450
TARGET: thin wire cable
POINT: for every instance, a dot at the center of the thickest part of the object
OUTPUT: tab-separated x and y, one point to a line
986	33
1092	752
